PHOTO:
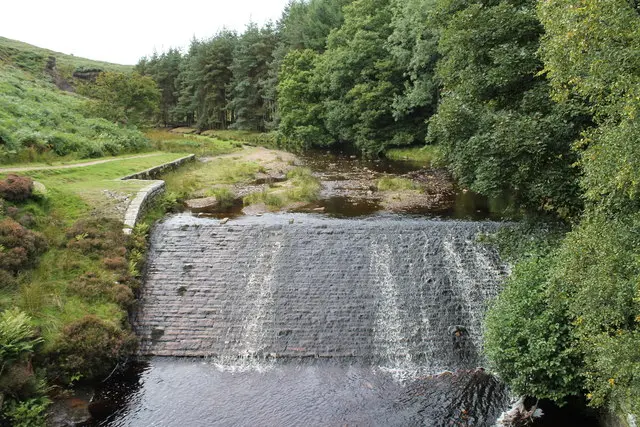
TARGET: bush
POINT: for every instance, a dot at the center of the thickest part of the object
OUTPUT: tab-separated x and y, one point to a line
7	280
16	188
97	238
122	295
90	286
19	247
28	413
529	339
19	381
115	263
92	347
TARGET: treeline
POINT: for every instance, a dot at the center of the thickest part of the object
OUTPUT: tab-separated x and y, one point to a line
231	79
388	73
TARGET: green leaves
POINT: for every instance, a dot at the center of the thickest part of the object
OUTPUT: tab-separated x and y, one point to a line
125	98
528	336
17	336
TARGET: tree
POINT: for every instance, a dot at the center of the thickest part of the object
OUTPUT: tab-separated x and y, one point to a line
251	102
414	46
125	98
164	70
501	133
300	101
359	80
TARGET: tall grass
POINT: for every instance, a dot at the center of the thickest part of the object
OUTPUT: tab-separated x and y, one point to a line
304	186
164	140
268	140
389	183
428	155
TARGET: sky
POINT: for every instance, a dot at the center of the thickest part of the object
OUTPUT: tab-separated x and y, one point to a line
122	31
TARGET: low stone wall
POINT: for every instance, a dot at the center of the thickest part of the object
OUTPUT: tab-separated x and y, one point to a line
141	203
145	197
156	171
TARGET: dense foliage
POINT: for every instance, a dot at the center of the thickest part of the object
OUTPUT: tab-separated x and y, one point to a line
126	98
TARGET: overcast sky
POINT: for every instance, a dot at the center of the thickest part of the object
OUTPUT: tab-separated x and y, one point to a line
122	31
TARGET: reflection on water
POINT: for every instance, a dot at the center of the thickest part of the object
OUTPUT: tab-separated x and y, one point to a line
190	392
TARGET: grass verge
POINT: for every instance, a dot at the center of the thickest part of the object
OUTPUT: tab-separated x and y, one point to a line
428	155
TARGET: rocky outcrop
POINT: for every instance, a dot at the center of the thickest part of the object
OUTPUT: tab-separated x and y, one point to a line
87	75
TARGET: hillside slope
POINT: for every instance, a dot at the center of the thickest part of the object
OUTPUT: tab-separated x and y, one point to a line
40	121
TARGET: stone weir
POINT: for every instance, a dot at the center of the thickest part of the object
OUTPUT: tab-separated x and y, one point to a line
392	291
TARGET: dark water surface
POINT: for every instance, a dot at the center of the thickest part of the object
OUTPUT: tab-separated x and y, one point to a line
198	392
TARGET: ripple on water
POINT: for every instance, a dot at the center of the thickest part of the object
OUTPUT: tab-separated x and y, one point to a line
197	392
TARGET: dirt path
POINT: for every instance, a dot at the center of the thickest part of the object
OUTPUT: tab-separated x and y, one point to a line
74	165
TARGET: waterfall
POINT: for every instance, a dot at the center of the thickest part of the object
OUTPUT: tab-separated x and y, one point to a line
404	294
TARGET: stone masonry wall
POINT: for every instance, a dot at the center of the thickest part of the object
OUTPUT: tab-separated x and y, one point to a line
147	195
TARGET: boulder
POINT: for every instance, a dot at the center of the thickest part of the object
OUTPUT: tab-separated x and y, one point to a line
205	203
255	209
71	411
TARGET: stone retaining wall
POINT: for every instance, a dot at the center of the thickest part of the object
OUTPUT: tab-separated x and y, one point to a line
141	203
145	197
156	171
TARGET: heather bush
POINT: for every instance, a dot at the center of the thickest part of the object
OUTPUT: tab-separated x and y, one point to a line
97	238
16	188
7	280
19	247
90	286
91	347
122	295
115	263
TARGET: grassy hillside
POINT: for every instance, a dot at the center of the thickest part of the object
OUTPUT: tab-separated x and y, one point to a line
41	122
35	58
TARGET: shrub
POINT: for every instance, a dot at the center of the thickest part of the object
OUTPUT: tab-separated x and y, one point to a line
92	347
28	413
97	237
19	247
115	263
18	380
90	286
529	339
16	188
7	280
122	295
